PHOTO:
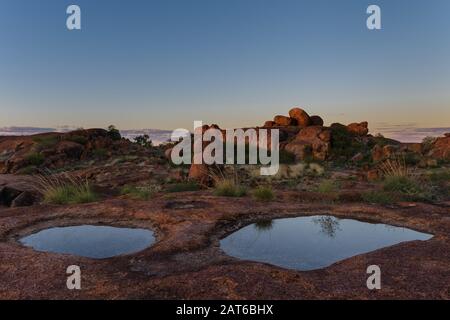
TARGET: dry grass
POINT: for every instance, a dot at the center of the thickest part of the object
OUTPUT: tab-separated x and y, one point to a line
395	167
64	189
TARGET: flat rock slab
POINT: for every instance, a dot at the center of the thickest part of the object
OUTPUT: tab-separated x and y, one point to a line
187	263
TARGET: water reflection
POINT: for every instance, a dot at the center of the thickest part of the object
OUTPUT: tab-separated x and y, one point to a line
308	243
264	225
328	225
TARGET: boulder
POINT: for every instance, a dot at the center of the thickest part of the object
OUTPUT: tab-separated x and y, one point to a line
168	153
311	141
441	148
8	194
199	173
269	124
71	149
283	121
380	153
25	199
316	121
303	119
358	129
373	175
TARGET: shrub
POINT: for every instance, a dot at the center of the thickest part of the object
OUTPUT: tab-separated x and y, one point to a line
327	186
379	197
427	143
65	189
35	159
184	186
27	170
113	133
143	140
228	188
439	176
401	184
46	141
395	167
264	193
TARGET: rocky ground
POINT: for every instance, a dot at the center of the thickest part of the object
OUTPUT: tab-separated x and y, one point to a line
339	170
187	263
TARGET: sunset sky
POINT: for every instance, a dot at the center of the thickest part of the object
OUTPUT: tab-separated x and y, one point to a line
163	64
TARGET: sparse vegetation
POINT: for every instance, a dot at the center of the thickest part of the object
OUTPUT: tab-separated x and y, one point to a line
401	184
378	197
183	187
427	143
143	140
228	188
35	159
46	141
395	167
114	133
140	192
264	193
328	186
65	189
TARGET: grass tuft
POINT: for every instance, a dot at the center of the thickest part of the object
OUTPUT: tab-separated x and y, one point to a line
65	189
264	193
228	188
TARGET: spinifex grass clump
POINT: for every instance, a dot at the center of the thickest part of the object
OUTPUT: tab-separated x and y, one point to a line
64	189
229	188
399	179
328	186
395	167
264	193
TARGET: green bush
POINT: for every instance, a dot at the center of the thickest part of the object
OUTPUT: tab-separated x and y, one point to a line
113	133
46	141
264	193
143	140
327	186
228	188
402	184
379	197
35	159
183	187
70	194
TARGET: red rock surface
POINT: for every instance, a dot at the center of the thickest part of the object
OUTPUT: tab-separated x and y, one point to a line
186	262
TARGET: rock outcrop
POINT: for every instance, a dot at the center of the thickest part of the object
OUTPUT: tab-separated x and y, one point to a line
300	115
440	149
358	129
312	141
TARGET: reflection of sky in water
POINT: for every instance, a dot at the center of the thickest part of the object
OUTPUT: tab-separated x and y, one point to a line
90	241
307	243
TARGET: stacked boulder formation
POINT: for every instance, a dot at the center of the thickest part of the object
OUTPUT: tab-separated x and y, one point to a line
311	139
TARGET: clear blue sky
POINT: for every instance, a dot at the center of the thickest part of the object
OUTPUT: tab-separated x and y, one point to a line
166	63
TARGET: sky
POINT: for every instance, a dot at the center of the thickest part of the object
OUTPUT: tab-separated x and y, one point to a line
164	63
